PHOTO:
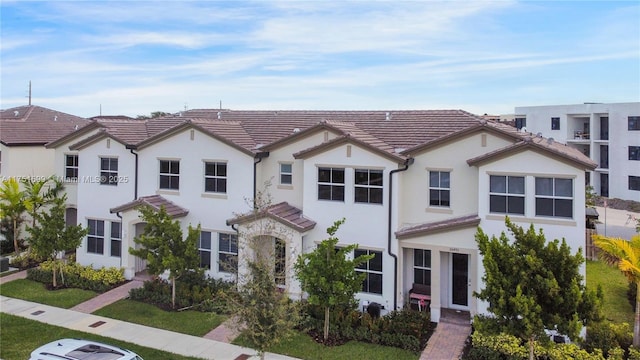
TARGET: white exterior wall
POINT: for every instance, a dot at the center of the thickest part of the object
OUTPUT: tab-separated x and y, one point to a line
35	162
210	210
365	225
95	200
269	169
538	120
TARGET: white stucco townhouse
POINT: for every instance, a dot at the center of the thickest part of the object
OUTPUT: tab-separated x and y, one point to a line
413	187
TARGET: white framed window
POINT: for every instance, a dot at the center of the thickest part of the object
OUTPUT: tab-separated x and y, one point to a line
554	197
116	239
215	177
204	249
506	194
108	171
440	188
170	174
422	266
286	173
368	186
71	167
227	253
95	238
373	270
331	184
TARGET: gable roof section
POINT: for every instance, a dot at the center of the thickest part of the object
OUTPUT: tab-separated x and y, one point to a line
438	226
34	125
72	135
347	139
283	213
299	134
90	140
230	133
545	146
156	202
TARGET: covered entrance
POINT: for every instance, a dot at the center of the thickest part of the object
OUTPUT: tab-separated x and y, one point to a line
460	284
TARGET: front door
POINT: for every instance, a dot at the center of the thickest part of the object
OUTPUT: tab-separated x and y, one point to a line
459	281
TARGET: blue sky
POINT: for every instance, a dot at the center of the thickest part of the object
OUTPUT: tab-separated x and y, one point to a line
135	57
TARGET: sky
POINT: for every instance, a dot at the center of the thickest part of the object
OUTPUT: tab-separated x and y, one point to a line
136	57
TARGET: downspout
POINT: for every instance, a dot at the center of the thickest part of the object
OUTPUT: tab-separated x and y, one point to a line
135	176
408	162
259	156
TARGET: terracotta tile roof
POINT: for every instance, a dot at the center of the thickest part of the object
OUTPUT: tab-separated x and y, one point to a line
284	213
35	125
548	146
438	226
156	202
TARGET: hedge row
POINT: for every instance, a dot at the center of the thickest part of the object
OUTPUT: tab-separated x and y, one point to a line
78	276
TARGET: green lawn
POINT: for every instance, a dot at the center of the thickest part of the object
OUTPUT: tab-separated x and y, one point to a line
20	336
186	322
34	291
304	347
616	308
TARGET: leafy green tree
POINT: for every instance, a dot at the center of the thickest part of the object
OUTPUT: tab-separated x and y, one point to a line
164	248
50	235
12	207
625	255
532	285
39	193
328	276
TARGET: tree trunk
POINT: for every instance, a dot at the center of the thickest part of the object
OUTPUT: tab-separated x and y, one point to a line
173	292
636	322
55	281
326	323
15	236
531	347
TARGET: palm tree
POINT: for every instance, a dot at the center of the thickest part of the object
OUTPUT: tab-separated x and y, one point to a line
12	206
39	193
625	255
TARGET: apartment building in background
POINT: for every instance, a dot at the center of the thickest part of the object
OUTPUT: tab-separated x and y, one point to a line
609	134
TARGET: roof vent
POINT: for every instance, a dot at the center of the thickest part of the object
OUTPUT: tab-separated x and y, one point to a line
387	116
75	127
16	113
55	118
296	130
523	129
219	115
539	134
550	141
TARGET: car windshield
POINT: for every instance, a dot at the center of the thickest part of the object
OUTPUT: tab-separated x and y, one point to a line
95	352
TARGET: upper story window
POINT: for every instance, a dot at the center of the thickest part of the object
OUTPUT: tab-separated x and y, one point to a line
204	249
634	122
554	197
116	239
506	194
368	186
108	171
170	174
71	167
331	184
634	152
634	183
439	188
215	177
286	173
228	253
521	122
555	123
373	269
95	238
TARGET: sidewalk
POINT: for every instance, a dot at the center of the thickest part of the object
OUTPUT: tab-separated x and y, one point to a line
173	342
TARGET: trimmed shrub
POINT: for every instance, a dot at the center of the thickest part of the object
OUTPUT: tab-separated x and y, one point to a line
608	336
26	260
77	276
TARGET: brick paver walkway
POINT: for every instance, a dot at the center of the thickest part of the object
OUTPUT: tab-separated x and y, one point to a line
108	298
225	332
17	275
447	342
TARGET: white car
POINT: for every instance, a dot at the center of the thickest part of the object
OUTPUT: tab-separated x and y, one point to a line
75	349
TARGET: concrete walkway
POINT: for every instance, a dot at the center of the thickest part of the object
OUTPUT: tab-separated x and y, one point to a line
109	297
15	276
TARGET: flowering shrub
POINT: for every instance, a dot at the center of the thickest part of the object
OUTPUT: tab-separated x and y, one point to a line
78	276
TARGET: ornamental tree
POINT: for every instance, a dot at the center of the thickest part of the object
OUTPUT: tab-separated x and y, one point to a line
164	248
328	275
532	284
